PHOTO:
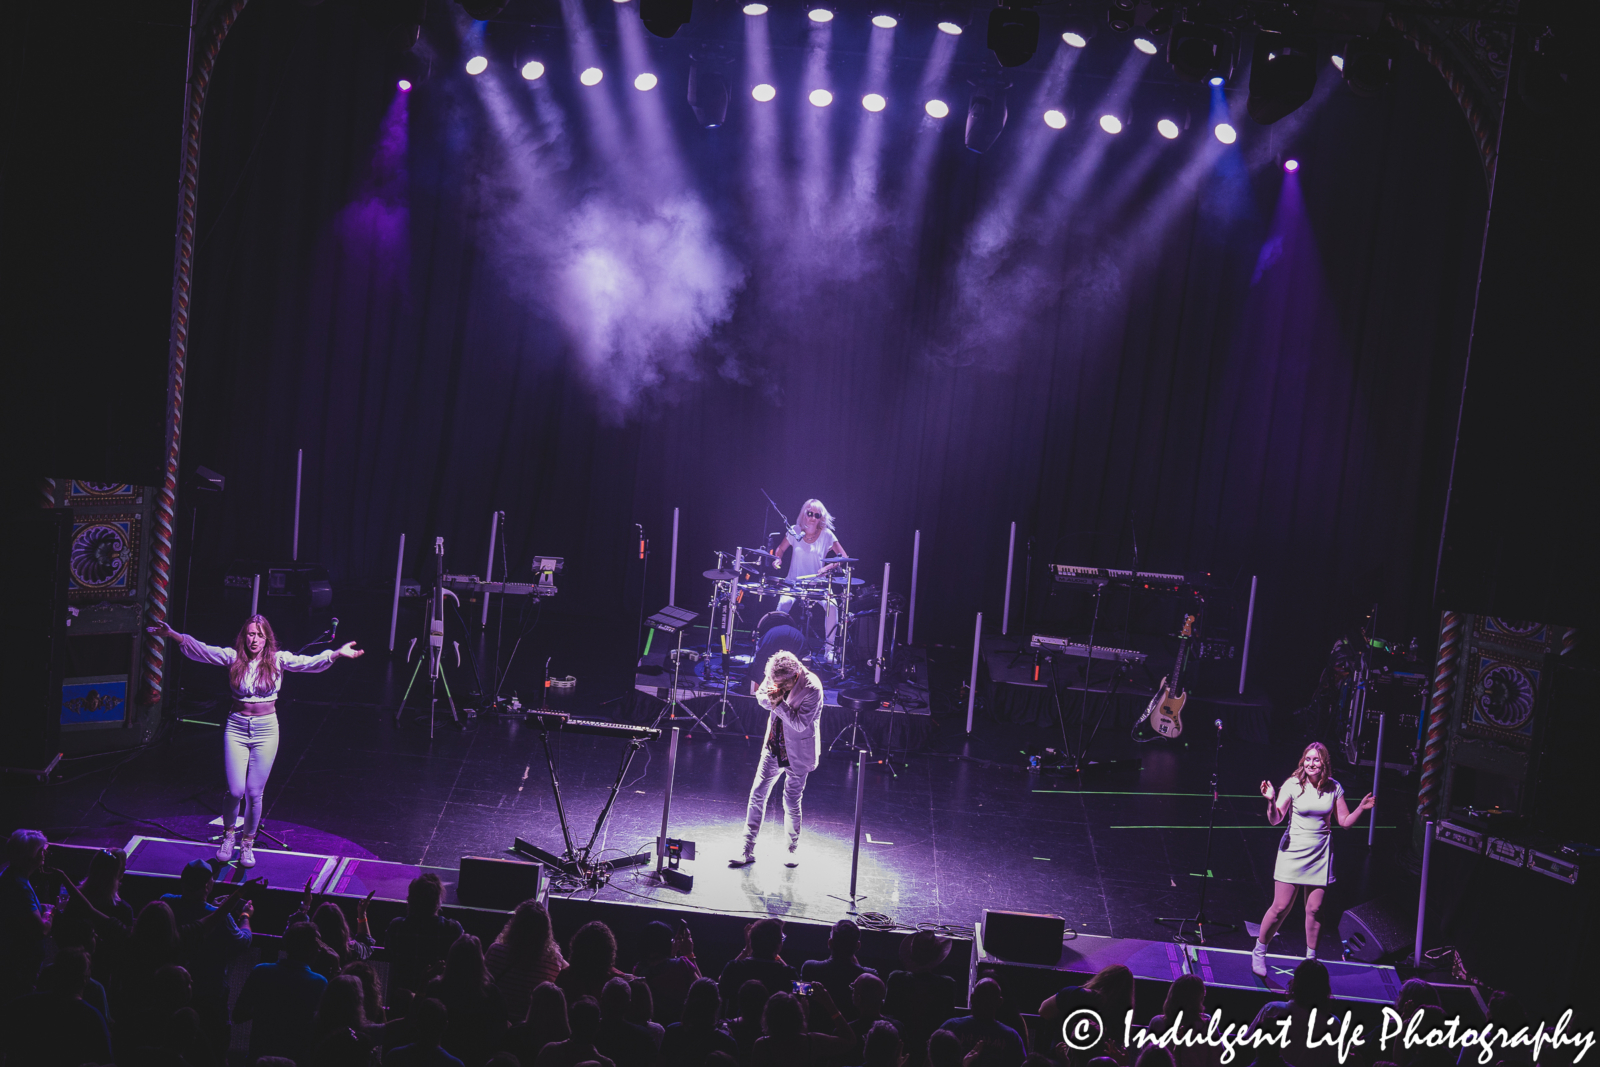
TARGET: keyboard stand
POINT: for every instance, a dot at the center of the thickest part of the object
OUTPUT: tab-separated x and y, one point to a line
579	863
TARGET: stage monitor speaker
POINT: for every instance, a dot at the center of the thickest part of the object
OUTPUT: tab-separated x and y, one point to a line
488	882
1021	937
1373	931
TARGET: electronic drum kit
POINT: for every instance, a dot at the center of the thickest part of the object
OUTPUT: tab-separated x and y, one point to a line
747	575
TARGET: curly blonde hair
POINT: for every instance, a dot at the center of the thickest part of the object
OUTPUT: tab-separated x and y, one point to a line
781	668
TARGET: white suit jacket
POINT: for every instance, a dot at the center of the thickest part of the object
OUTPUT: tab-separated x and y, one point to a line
801	715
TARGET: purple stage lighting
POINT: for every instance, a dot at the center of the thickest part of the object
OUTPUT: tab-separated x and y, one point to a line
763	92
405	86
645	82
591	76
1291	165
1216	81
1338	62
953	29
533	70
1167	128
874	102
1076	40
477	65
1110	124
820	14
755	9
885	22
1145	45
1226	133
937	108
820	98
1056	120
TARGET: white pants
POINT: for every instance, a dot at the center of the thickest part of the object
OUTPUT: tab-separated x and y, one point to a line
794	785
249	745
830	610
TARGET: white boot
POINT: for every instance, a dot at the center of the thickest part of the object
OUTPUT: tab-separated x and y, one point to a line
247	852
1258	960
745	858
225	849
794	853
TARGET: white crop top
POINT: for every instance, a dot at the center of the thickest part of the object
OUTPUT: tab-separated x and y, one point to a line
254	689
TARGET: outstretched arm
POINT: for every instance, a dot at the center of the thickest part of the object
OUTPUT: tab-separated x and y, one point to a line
1346	816
291	661
195	650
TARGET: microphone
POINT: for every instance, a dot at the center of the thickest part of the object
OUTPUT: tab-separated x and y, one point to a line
333	630
1219	724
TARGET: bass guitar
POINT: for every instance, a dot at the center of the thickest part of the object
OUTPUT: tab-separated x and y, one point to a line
1165	711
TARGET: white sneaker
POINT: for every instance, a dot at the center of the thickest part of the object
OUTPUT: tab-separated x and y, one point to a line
1258	960
794	855
744	859
247	852
225	849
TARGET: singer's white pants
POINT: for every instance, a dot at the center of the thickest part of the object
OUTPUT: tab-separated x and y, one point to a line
249	745
794	786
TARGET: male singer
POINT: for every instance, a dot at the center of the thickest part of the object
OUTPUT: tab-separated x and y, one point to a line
792	696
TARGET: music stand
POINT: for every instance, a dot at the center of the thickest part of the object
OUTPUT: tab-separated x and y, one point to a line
675	620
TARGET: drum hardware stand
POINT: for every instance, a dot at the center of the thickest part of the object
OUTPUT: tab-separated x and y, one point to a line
435	659
676	620
1199	920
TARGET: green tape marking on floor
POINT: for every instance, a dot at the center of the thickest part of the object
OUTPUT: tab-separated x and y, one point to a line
1137	793
1253	826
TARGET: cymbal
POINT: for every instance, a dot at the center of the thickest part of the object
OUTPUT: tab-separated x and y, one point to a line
840	559
847	581
758	553
719	576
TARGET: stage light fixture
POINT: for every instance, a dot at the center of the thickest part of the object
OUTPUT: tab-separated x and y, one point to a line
1054	119
1215	81
591	76
763	93
477	65
533	70
986	117
1368	67
1110	124
708	91
482	10
645	82
1337	60
1076	40
1199	52
936	109
1168	129
1226	133
820	98
820	14
664	18
874	102
1291	165
1283	73
885	22
1145	45
404	86
755	9
1120	17
953	29
1014	34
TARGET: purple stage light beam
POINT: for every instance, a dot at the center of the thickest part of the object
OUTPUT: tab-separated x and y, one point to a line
816	148
651	123
375	227
766	180
1079	178
600	113
869	132
929	129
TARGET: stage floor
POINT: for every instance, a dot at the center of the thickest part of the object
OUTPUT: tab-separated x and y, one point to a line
960	826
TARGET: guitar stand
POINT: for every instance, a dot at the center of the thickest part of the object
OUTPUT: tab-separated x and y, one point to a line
435	624
575	862
1199	919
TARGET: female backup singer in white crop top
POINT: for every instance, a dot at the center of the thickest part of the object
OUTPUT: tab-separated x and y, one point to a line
250	739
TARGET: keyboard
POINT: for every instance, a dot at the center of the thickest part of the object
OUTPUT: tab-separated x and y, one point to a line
1095	576
557	720
1069	647
471	583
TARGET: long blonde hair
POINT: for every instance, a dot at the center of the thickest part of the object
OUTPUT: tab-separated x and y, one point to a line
1325	782
268	670
827	516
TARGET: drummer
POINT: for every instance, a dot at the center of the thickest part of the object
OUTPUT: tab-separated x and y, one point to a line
813	541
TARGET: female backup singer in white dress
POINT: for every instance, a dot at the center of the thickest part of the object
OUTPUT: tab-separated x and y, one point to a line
792	697
813	541
250	739
1311	801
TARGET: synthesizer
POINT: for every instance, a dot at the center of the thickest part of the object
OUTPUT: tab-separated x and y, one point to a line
1067	647
557	720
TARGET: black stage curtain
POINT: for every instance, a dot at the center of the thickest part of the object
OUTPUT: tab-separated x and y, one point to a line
1245	406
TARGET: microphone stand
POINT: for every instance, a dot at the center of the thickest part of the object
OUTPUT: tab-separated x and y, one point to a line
1199	920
